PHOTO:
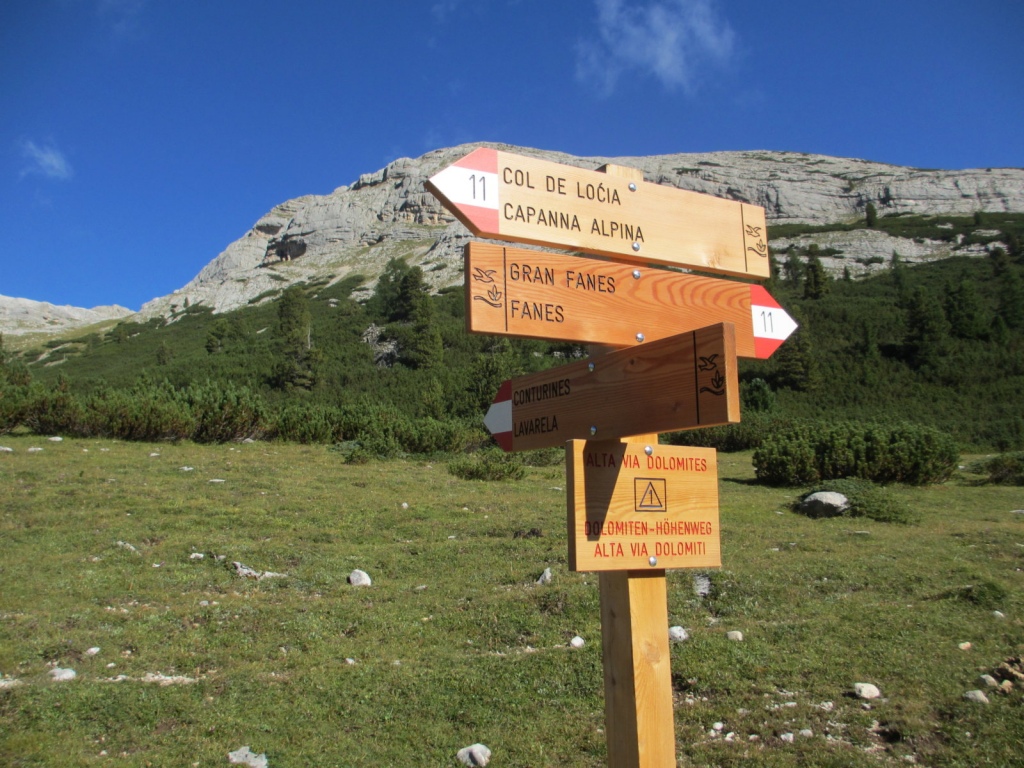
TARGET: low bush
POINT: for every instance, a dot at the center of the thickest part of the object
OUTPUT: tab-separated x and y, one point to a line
153	413
488	464
809	452
748	434
866	499
1004	469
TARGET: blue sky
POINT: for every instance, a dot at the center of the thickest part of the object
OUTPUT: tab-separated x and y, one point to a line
138	138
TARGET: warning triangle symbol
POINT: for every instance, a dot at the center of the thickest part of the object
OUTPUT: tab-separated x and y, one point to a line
651	499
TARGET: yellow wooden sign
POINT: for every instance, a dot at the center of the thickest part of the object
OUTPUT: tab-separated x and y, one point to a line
636	506
681	382
542	295
511	197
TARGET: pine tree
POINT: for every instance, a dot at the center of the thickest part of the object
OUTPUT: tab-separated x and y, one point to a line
1011	299
816	280
964	311
794	267
382	304
927	336
297	360
870	215
795	365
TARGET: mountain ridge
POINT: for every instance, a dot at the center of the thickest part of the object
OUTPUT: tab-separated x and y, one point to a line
358	227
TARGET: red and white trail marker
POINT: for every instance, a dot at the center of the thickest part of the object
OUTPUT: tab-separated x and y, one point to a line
772	325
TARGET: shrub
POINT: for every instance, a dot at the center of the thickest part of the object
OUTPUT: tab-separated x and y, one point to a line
809	452
144	413
302	423
488	464
224	412
749	433
866	499
55	412
1004	469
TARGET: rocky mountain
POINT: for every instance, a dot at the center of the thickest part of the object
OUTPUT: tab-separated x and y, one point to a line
22	316
358	228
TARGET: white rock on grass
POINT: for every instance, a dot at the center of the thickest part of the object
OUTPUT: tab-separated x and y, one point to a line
249	573
866	691
60	674
5	449
545	578
678	634
55	439
126	545
9	682
734	635
245	756
976	696
34	449
824	504
577	642
474	755
359	578
93	651
701	585
989	681
787	737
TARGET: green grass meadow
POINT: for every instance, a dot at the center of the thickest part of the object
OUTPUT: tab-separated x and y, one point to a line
455	643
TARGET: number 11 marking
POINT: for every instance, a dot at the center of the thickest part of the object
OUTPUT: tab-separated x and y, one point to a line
483	186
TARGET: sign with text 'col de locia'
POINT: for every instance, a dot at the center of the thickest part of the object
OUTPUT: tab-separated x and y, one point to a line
527	200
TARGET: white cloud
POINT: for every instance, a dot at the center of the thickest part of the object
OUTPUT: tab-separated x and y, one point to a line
123	16
44	160
675	41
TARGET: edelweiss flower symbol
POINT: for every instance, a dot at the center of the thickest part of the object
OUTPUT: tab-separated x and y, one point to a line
493	297
760	248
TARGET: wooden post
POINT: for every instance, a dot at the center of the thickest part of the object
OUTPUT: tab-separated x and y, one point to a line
639	721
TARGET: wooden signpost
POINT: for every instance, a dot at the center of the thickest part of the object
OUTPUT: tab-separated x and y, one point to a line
667	362
511	197
540	295
682	382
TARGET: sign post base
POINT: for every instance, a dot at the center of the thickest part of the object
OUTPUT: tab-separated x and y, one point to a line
639	722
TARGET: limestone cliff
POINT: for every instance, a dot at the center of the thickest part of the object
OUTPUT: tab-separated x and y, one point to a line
358	228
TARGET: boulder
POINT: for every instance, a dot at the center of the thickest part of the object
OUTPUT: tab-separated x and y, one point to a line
823	504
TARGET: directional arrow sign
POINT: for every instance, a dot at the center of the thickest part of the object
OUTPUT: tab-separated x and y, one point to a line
635	507
680	382
516	292
522	199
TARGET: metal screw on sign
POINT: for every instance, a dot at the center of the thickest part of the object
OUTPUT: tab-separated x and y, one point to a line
648	450
593	430
640	337
632	187
636	274
591	367
653	561
636	246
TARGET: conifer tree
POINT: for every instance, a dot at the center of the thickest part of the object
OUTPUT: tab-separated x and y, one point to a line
816	279
297	359
964	311
927	336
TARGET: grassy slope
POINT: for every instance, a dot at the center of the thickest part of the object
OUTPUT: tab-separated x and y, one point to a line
482	650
